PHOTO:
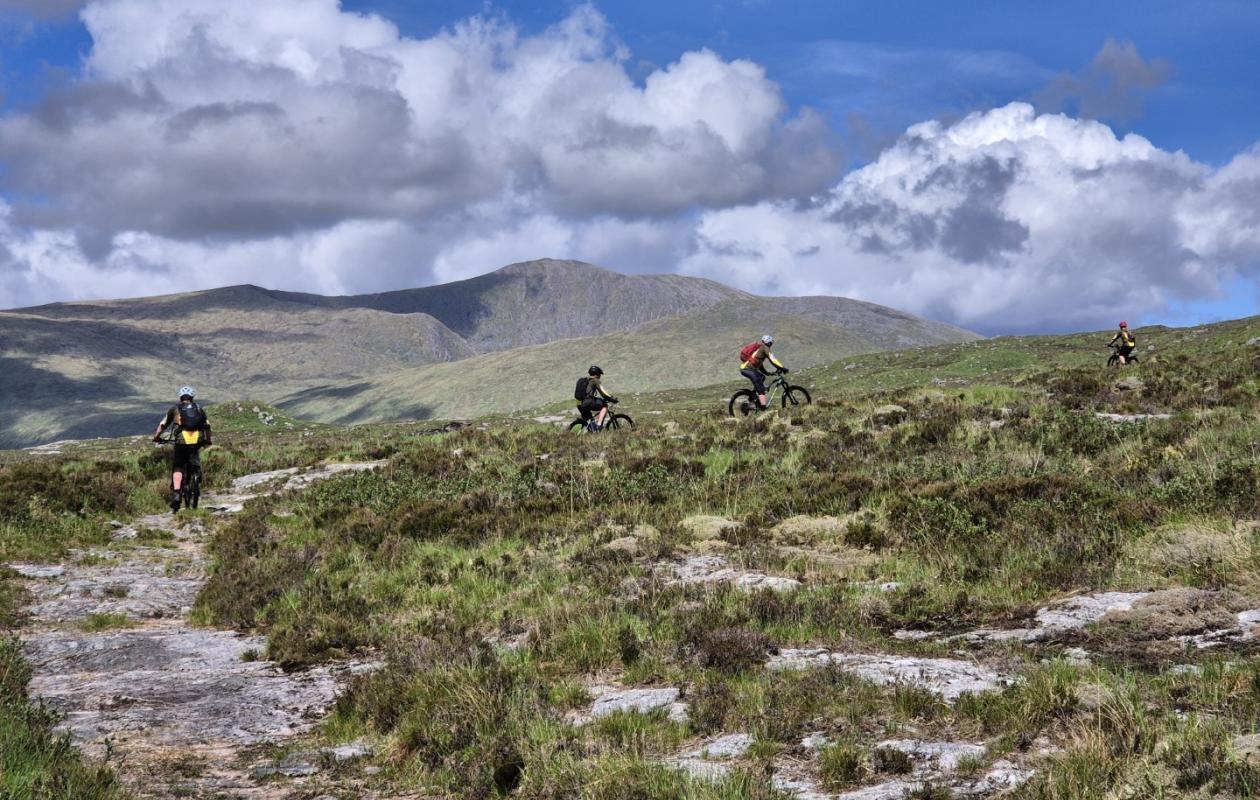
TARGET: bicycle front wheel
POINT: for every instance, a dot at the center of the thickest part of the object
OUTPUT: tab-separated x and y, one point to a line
616	421
742	403
796	396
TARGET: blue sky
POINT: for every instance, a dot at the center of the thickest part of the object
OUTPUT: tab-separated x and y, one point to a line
941	58
869	69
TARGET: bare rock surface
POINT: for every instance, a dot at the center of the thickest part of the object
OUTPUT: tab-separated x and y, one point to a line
803	529
947	677
713	569
1129	417
173	686
159	691
702	526
708	761
1070	614
612	699
137	589
1169	614
248	487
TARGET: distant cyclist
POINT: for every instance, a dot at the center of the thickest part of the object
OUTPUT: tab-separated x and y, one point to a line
190	431
593	399
1124	343
752	361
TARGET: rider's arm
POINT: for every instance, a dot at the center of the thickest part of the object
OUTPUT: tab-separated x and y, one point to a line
165	423
603	392
770	357
1114	339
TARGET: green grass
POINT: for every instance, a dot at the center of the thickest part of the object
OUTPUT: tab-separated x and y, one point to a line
94	623
35	762
475	564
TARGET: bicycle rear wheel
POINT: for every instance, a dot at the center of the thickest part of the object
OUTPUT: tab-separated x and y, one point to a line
616	421
796	396
742	403
194	488
577	426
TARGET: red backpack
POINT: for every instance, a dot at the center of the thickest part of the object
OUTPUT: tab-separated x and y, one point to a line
747	351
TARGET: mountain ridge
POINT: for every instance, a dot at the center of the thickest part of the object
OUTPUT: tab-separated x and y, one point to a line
99	367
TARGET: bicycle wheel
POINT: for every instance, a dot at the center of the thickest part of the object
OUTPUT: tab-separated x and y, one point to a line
194	489
616	421
1113	361
796	396
185	488
742	403
577	426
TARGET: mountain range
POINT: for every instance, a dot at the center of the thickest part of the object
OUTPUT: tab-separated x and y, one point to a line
511	339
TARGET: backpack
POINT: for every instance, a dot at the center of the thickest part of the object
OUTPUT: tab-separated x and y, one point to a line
747	351
579	391
191	417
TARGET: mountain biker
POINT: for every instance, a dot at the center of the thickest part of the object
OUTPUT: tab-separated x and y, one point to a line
752	360
595	401
1126	342
190	431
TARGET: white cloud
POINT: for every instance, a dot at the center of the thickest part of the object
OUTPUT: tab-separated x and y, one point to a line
246	120
1005	221
291	144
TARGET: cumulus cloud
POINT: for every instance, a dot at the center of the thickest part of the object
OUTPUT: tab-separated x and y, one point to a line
247	120
1112	86
293	144
1005	221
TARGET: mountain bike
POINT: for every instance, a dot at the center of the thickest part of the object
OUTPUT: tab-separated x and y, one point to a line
190	484
612	422
744	402
1114	361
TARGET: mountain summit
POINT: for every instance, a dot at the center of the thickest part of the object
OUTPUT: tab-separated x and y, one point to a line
108	367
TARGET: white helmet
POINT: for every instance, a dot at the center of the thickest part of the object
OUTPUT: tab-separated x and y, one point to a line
187	391
767	339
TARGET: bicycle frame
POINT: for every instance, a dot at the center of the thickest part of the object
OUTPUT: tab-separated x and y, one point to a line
190	483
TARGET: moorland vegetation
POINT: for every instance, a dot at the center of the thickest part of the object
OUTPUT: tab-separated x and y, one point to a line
502	571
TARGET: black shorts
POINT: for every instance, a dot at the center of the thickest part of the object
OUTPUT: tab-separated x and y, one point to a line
757	377
186	455
1124	350
591	406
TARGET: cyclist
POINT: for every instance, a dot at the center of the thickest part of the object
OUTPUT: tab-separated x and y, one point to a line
1124	342
593	406
190	431
752	359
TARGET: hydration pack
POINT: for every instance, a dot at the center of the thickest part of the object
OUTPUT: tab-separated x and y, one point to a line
579	391
191	417
747	352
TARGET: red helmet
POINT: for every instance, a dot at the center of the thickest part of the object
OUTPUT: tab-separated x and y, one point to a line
1124	324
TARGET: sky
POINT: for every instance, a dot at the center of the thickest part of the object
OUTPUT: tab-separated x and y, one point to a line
1011	167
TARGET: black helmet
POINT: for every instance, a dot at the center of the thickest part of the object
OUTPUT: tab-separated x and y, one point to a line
594	370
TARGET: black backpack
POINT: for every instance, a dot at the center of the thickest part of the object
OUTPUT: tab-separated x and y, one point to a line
191	417
579	391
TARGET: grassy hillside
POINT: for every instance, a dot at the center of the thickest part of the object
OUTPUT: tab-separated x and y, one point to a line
108	367
506	571
689	351
76	374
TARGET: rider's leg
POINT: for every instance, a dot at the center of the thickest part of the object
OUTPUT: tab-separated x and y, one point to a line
178	464
759	384
603	415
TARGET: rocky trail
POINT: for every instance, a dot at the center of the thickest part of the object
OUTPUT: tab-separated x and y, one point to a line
180	711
